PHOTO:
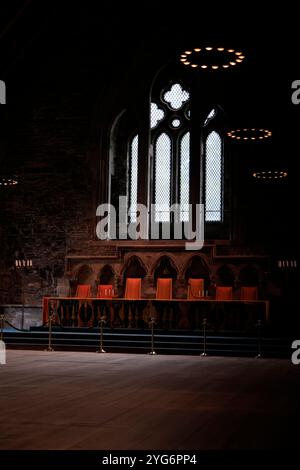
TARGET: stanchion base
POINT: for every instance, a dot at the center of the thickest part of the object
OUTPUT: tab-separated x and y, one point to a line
259	356
100	351
203	354
49	349
152	353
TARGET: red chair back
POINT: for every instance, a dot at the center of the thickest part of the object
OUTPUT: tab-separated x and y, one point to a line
249	293
105	291
195	289
83	291
164	289
223	293
133	289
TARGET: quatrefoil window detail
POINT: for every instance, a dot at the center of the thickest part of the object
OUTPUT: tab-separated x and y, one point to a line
176	97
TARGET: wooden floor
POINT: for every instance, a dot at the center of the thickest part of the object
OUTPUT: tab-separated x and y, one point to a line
75	400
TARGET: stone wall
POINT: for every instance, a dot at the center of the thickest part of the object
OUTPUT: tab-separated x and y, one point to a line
21	318
48	214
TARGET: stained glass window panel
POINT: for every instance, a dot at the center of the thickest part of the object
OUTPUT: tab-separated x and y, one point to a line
184	177
213	178
157	115
133	172
162	189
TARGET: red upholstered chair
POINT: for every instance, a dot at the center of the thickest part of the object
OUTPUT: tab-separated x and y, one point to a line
83	291
105	291
133	288
164	289
223	293
249	293
195	289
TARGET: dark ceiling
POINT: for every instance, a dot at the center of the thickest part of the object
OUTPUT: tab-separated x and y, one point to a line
53	46
59	37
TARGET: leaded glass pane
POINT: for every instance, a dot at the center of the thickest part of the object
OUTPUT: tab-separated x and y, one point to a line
162	191
157	114
213	178
184	177
133	172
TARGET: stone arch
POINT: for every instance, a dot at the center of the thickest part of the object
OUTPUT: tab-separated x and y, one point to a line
225	276
134	267
165	267
196	266
106	274
158	259
84	274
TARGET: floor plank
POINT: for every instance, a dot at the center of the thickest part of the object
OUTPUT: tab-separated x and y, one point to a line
76	401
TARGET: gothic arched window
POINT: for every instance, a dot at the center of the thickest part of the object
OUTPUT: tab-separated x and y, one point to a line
175	142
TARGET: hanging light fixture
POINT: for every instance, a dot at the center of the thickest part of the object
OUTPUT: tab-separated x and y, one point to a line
258	134
270	175
8	180
211	58
249	134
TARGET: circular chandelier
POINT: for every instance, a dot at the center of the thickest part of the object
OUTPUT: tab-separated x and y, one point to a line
249	134
8	180
270	175
211	58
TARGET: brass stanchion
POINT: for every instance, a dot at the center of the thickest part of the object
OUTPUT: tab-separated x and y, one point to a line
50	333
152	323
102	321
204	353
1	326
259	353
